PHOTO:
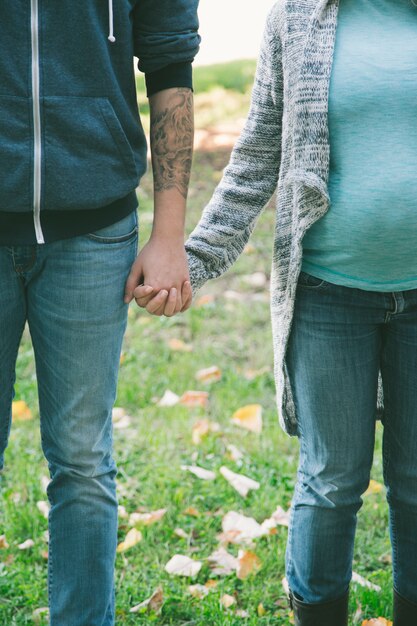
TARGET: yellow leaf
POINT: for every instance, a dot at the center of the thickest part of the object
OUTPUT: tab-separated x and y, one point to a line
377	621
261	610
3	542
209	374
179	345
248	563
374	487
20	411
132	538
194	399
249	417
191	510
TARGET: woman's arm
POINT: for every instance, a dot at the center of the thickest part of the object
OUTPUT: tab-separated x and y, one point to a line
251	176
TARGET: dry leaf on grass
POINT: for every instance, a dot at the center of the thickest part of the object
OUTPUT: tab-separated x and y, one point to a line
357	578
209	374
240	529
222	563
39	614
227	600
120	418
179	345
248	563
200	472
181	565
374	487
45	480
202	428
146	518
377	621
43	507
154	603
194	399
132	538
278	518
198	591
249	417
260	610
3	542
242	484
191	510
168	399
29	543
20	411
180	533
233	453
121	511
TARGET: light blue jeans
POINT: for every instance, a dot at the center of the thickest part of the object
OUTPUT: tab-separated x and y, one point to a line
71	294
339	339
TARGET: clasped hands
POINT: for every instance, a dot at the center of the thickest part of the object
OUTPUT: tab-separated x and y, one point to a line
159	279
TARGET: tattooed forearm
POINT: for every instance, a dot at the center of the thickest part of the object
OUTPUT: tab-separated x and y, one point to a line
172	134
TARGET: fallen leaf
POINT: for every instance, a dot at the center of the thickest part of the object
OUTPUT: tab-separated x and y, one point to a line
209	374
3	542
168	399
194	399
242	484
278	518
191	510
45	480
239	528
180	533
260	609
29	543
153	603
132	538
38	614
181	565
241	613
357	578
200	472
285	586
122	513
257	279
202	428
227	600
179	345
20	411
198	591
233	452
249	417
222	563
120	418
377	621
146	518
43	507
208	298
247	563
374	487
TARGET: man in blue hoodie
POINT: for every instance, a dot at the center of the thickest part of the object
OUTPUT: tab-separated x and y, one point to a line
72	152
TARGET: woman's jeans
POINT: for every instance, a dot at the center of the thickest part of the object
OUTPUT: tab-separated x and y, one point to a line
71	294
340	338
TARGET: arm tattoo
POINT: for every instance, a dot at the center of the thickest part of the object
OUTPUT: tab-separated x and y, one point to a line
172	132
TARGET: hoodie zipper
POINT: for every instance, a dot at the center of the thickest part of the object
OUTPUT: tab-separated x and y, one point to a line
36	123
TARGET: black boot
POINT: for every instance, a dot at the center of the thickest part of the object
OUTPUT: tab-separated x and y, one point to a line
332	613
405	611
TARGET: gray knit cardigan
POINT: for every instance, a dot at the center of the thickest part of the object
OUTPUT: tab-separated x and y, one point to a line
284	146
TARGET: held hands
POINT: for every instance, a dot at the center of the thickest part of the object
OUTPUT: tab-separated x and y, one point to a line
159	279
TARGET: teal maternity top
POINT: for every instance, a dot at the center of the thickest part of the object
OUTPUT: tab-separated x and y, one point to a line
368	237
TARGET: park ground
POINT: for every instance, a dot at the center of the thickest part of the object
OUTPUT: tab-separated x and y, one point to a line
228	329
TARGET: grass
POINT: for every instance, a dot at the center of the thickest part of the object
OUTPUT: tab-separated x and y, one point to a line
235	335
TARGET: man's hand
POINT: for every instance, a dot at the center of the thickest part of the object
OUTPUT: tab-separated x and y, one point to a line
159	279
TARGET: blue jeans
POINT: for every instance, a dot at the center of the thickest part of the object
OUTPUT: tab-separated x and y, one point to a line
339	339
71	294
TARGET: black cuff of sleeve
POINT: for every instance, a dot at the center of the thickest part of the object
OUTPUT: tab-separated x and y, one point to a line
173	75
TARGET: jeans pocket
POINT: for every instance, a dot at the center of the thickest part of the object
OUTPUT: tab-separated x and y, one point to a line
310	281
124	230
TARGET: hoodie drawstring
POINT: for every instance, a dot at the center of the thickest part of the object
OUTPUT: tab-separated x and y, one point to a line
111	37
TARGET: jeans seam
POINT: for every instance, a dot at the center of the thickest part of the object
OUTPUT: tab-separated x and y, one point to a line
11	384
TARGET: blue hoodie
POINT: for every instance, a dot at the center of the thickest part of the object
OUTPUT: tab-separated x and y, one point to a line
70	130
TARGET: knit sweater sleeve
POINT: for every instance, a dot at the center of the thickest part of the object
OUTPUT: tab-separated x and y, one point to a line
250	178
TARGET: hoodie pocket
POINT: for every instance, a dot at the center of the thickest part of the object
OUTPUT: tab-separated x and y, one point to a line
88	160
15	154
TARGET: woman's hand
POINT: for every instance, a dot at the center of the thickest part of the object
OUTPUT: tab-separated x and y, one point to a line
159	279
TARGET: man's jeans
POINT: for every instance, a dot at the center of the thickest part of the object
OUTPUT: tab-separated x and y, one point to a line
339	339
71	294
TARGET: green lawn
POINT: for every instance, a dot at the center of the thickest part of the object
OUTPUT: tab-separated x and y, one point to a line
234	334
